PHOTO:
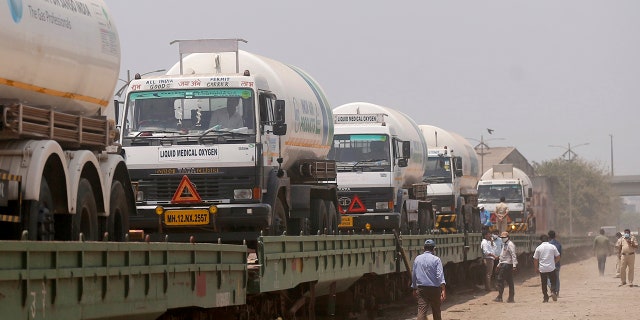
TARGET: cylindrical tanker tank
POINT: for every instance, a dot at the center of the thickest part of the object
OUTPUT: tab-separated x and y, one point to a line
438	138
62	54
308	113
398	125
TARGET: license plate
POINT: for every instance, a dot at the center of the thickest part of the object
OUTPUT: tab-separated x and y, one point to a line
186	217
346	221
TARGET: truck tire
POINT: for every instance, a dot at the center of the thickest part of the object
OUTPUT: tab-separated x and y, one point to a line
278	219
332	217
318	216
118	220
86	218
46	225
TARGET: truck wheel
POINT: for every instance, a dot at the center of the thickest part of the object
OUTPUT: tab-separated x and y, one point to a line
318	216
278	219
118	221
404	221
86	218
46	225
332	217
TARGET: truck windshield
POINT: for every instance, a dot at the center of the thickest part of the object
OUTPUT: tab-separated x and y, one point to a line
369	152
189	112
492	193
438	170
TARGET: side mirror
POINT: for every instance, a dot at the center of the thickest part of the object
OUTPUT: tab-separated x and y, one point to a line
279	127
116	109
457	164
530	192
403	162
406	149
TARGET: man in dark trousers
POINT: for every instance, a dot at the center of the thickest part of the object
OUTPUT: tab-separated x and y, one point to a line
427	281
507	264
555	242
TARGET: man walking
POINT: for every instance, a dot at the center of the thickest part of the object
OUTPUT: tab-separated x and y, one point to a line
601	248
488	248
427	281
507	264
618	236
556	243
502	213
627	247
544	260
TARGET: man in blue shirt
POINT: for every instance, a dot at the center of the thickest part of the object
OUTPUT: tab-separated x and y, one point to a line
485	219
427	281
555	242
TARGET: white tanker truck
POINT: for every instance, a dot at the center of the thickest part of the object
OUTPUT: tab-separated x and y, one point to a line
452	174
504	180
59	66
228	144
381	157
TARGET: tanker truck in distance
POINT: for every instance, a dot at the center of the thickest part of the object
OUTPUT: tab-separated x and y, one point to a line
380	154
229	144
451	176
504	180
61	175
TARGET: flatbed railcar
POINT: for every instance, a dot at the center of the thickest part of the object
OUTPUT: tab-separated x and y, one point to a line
287	276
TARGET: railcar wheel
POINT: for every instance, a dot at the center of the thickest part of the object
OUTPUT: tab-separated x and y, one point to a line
86	218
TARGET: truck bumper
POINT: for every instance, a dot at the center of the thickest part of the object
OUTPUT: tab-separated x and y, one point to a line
230	221
377	221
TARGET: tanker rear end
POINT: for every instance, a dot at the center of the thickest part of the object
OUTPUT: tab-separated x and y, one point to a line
62	178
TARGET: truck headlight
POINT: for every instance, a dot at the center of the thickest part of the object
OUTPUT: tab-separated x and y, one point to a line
242	194
382	205
446	210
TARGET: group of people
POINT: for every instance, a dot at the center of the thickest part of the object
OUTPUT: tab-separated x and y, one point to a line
500	259
502	216
624	248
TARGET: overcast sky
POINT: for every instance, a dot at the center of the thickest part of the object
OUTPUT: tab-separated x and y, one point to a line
539	73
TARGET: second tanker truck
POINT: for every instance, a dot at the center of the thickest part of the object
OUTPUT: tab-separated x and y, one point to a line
60	174
381	157
452	174
227	145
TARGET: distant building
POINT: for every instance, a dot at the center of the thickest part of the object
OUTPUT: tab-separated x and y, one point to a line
503	155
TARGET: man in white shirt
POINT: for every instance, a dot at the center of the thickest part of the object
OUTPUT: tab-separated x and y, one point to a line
229	117
506	267
544	260
488	248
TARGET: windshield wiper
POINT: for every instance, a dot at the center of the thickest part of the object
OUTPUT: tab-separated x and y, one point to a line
139	134
224	132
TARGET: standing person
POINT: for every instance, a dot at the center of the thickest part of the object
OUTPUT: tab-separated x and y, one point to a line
488	248
618	236
428	282
601	248
544	260
507	264
556	243
485	219
498	241
502	215
627	245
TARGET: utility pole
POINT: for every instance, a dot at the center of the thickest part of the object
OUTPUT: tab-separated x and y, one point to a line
611	136
569	154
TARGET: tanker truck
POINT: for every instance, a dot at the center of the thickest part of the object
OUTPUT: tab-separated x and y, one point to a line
380	155
504	180
451	175
228	145
61	175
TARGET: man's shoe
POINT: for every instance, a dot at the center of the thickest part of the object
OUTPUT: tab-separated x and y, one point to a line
545	300
510	301
622	284
498	299
554	296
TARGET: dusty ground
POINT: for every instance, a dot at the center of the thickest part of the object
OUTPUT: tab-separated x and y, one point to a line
583	295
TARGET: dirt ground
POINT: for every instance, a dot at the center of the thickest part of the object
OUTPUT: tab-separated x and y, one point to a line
583	295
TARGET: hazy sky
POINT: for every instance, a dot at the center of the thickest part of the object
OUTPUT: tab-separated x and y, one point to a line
540	73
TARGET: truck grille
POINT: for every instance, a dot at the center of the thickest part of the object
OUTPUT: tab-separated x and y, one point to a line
367	197
208	187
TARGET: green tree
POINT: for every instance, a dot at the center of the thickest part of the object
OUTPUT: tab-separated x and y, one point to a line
593	203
